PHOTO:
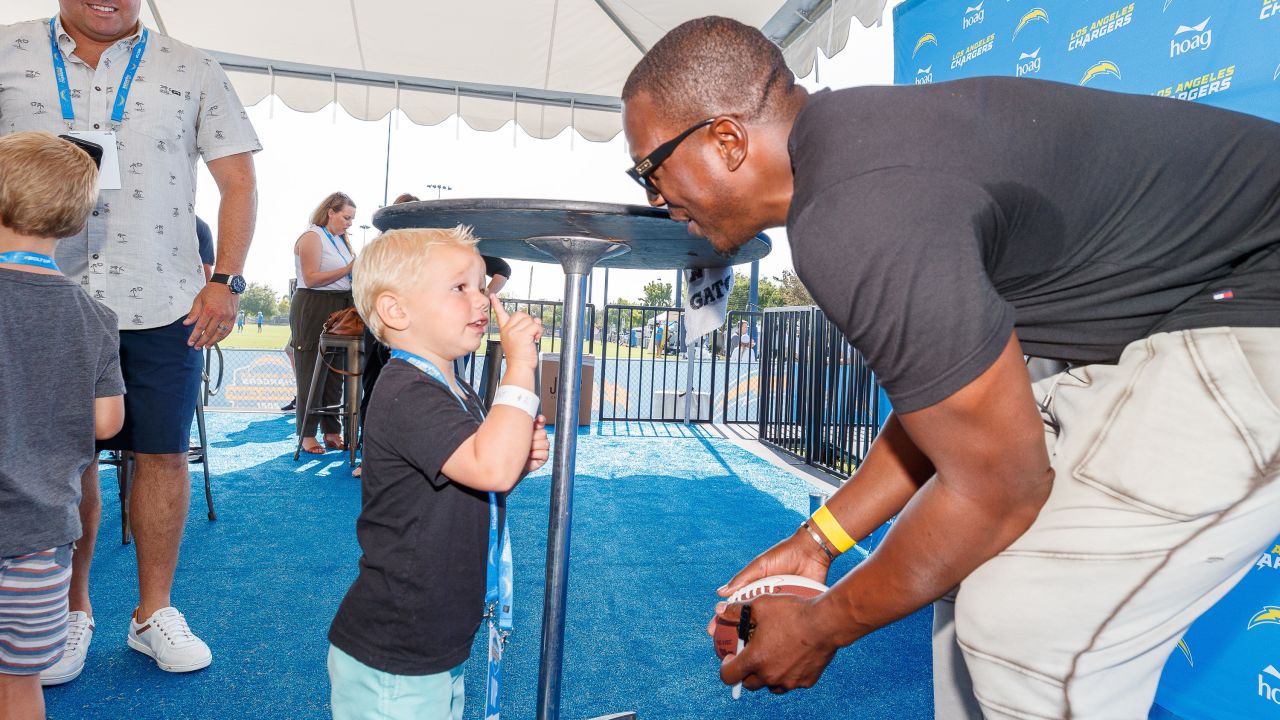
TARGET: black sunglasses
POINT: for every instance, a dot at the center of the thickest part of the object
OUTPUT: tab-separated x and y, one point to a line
94	149
643	169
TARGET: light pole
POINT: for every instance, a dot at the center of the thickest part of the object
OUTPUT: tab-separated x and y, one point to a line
438	189
364	235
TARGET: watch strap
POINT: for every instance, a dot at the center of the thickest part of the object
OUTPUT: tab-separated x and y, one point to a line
225	279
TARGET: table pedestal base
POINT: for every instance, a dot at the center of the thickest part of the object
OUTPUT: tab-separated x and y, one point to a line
577	255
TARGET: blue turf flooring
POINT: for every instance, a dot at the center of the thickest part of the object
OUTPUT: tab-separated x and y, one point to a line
662	515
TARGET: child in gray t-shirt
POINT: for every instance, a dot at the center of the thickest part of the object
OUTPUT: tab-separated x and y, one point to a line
59	390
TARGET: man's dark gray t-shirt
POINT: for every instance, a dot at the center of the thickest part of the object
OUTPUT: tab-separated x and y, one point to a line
59	350
930	222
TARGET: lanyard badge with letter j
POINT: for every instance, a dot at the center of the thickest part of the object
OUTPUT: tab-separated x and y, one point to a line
498	575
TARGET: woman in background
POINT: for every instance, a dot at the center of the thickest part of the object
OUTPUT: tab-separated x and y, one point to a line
322	258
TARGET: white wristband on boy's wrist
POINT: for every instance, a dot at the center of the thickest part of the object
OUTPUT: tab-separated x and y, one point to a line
517	397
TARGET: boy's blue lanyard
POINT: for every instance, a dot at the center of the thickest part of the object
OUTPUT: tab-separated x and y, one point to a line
22	257
122	92
498	575
344	258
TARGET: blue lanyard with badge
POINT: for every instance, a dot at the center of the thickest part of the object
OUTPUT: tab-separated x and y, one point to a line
498	583
23	257
109	172
346	258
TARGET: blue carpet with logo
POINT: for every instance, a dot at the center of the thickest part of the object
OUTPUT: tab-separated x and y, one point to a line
662	515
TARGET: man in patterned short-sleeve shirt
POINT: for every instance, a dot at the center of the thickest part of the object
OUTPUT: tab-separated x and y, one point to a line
138	254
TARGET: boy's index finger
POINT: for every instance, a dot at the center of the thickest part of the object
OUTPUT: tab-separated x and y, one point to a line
500	312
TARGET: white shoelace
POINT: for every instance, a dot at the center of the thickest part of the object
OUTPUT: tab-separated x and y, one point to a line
75	633
172	625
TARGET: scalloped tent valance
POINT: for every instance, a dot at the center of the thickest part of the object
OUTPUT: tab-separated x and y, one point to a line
547	64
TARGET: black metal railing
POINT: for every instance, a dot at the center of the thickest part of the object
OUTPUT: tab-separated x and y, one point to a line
785	386
740	398
645	372
808	392
819	401
845	404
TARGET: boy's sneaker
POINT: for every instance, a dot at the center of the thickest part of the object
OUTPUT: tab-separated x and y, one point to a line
79	635
165	638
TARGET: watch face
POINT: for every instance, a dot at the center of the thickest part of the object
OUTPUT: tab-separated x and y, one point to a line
237	284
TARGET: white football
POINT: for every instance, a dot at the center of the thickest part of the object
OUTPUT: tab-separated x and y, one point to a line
779	584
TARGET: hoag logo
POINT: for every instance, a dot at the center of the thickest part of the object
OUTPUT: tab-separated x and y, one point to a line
924	76
1269	687
974	15
1028	63
1189	38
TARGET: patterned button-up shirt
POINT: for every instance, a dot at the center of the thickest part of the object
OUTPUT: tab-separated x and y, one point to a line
138	253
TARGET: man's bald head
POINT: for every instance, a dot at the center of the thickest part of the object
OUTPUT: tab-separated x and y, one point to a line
713	66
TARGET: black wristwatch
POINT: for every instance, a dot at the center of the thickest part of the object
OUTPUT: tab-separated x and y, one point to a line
235	282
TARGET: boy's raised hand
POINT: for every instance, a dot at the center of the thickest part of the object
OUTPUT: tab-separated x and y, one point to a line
520	333
540	447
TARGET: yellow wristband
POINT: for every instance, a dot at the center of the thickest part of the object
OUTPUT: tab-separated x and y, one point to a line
827	523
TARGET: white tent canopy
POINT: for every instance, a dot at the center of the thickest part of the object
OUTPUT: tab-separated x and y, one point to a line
548	64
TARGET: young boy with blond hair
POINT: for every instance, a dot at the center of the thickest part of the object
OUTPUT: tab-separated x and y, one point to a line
436	474
60	389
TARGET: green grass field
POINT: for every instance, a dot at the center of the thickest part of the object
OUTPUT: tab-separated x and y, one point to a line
272	337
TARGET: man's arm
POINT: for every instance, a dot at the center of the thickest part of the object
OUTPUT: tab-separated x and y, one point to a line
986	444
237	212
215	306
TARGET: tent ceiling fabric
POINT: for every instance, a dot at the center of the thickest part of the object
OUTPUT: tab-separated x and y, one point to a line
562	62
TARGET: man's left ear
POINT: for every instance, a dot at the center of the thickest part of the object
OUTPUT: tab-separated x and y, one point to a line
731	138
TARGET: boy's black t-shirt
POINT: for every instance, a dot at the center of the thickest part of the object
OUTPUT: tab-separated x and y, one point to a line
931	221
419	598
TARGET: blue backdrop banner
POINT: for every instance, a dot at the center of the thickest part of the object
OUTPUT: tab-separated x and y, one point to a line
1220	52
1228	664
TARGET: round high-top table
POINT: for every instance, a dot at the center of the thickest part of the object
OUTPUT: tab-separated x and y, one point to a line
579	236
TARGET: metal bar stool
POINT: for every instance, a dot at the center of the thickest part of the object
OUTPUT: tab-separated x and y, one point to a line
123	460
347	349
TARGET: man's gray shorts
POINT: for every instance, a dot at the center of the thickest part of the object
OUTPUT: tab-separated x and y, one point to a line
1167	487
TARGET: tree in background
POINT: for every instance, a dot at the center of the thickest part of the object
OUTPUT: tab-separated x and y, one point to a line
770	293
657	293
282	307
792	291
623	320
259	298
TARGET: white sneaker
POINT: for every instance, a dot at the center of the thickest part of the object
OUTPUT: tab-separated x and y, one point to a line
165	638
79	635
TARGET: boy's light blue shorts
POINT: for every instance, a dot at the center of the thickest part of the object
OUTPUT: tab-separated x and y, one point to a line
360	692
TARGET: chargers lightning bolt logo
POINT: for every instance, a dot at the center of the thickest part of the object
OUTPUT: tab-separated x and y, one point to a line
1186	650
1270	615
1106	67
925	39
1036	14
